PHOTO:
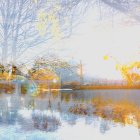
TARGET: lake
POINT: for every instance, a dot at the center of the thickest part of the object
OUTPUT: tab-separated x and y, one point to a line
71	115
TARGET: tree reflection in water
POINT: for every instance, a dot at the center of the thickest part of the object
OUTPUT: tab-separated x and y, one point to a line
49	111
123	112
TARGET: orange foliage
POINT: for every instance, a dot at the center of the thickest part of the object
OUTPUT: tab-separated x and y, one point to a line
44	74
120	111
45	79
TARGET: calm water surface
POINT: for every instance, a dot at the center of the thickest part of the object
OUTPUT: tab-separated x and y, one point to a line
71	115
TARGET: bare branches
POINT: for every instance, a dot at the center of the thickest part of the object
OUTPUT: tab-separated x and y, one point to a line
23	25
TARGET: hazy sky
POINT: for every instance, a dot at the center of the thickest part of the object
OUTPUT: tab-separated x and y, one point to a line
95	38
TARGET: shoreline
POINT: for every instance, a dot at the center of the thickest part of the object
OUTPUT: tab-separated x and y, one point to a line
102	87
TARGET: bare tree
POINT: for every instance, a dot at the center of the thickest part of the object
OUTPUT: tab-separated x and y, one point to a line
128	7
28	23
16	17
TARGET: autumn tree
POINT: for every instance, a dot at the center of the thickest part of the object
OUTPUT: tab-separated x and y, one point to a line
131	72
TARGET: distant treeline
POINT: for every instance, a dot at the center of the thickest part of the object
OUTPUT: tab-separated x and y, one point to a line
91	87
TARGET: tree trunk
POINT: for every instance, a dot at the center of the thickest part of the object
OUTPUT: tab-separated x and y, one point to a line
4	52
14	46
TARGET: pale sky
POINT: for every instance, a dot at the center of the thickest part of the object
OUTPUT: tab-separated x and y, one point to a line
94	39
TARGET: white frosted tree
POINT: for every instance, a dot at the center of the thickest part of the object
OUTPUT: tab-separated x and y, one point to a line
28	23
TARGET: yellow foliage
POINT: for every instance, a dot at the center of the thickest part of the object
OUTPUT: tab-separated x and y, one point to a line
7	76
42	22
129	72
42	15
117	67
41	28
45	78
49	18
44	74
106	57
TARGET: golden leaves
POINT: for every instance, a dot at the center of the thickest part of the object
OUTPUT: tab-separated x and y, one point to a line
44	74
106	57
131	72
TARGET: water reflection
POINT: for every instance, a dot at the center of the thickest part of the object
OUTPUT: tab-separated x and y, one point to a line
49	114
